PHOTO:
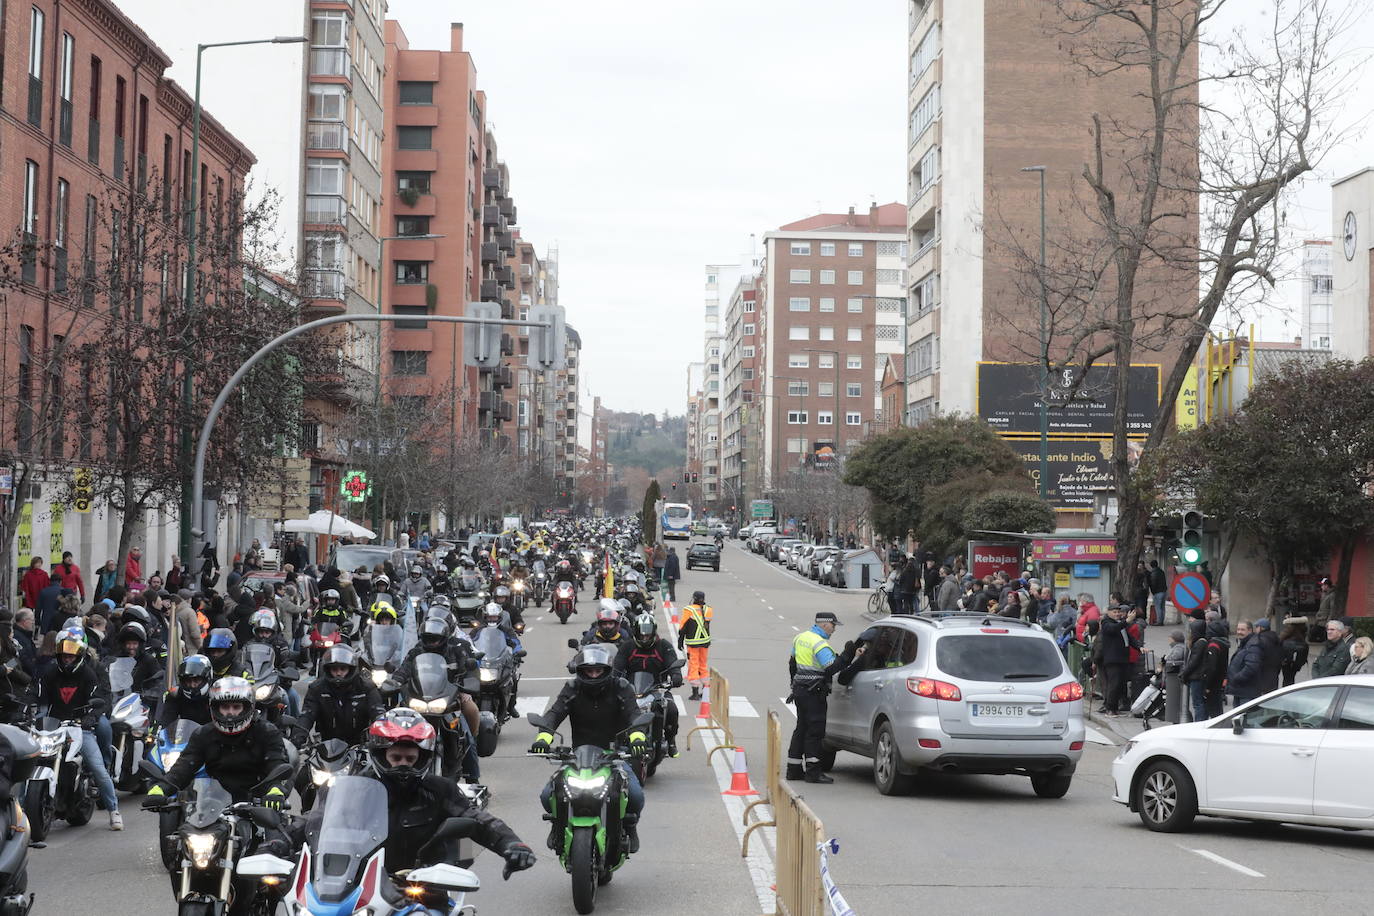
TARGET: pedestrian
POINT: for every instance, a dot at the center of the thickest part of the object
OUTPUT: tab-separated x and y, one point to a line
1172	668
1326	610
908	601
177	577
1243	671
1293	640
947	596
105	578
48	600
1361	656
1271	655
70	574
1088	611
1116	658
1063	618
1158	586
190	628
1335	657
25	637
1215	665
133	570
660	563
1012	607
253	558
694	632
672	569
930	581
812	663
34	580
1194	672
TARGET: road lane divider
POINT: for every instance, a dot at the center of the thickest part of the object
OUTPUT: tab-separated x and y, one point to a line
1222	861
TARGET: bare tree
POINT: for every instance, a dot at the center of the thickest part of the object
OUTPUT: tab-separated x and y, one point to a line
1179	211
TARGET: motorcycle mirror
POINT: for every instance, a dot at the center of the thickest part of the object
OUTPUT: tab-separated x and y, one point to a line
538	721
679	663
520	653
573	644
152	769
277	772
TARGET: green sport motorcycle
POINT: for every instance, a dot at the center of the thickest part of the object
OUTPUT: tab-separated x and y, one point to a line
588	802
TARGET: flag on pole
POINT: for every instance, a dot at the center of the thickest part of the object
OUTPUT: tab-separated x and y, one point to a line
495	560
608	578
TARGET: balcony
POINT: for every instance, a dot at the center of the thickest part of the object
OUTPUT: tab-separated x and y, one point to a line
491	253
492	216
507	310
507	345
329	62
507	241
504	411
488	401
506	276
527	271
507	206
491	290
503	377
492	180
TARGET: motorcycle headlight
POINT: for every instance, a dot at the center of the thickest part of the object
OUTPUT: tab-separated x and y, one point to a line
518	586
587	783
263	691
201	847
378	676
321	777
419	705
437	706
487	675
646	702
169	759
49	744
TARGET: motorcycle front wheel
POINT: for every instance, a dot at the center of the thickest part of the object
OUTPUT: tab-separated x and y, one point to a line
84	807
168	822
584	866
38	806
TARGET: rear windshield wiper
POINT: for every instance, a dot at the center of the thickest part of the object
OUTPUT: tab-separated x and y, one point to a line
1026	675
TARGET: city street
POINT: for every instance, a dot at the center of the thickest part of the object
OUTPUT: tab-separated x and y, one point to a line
977	844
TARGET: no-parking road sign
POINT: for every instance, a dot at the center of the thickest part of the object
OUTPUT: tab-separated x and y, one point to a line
1190	591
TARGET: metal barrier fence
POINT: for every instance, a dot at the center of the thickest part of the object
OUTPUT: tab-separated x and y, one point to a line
771	780
720	715
798	864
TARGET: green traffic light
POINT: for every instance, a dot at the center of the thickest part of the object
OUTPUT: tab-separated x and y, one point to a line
1191	556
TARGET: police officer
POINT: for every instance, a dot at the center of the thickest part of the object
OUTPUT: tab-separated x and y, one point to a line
812	664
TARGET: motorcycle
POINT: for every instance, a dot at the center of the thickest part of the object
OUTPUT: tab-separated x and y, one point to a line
467	604
215	833
269	683
539	588
162	756
589	799
418	607
654	694
323	637
564	600
342	867
14	849
500	679
326	761
58	786
383	650
129	726
431	694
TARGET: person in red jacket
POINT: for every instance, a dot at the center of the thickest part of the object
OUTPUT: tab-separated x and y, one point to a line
1088	611
133	570
70	574
34	581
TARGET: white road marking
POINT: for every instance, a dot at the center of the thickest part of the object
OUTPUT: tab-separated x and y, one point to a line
798	629
780	617
531	705
741	708
681	709
1096	737
786	706
1223	861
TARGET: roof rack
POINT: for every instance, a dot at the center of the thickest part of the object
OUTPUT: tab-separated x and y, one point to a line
972	619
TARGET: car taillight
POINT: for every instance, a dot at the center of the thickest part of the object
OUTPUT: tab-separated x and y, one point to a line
932	743
929	687
1076	746
1067	693
995	630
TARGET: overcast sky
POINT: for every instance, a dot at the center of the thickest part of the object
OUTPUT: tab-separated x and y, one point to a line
647	140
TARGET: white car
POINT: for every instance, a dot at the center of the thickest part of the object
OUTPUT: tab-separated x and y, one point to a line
1300	755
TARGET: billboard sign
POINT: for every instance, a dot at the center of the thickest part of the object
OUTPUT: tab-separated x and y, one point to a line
1077	467
1090	550
1079	405
761	508
988	557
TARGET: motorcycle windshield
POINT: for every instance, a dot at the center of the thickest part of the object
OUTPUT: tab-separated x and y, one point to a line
260	660
431	676
384	645
208	801
469	583
492	643
354	825
179	735
642	682
328	629
121	672
334	750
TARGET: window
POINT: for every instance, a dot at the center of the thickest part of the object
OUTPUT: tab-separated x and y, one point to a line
801	332
1295	709
748	330
827	249
925	295
68	62
798	361
926	52
413	93
852	419
59	231
325	135
827	277
796	417
748	353
412	272
419	311
324	176
410	137
749	307
36	20
825	417
853	361
854	334
856	249
825	360
412	225
796	446
925	112
926	171
800	276
799	304
825	333
413	181
853	389
801	248
30	213
920	357
748	374
856	278
890	276
409	362
886	332
1358	710
825	389
827	305
1322	285
329	29
797	388
855	306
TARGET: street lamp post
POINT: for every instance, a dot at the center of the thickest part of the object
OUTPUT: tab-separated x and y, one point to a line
192	203
1044	343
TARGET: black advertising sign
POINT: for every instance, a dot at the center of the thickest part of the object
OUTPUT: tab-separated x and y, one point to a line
1077	468
1009	399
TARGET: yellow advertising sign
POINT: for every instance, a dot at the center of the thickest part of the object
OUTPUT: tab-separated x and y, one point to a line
57	532
83	489
1185	407
25	533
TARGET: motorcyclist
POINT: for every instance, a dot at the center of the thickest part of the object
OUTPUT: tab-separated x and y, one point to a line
600	706
648	651
221	648
635	596
70	690
501	595
267	632
414	586
436	637
495	618
342	704
400	748
190	697
132	642
608	627
331	610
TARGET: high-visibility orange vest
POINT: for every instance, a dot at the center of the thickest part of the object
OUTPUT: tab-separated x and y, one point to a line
696	619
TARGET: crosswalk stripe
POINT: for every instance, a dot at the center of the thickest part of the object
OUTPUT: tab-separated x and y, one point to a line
741	708
528	705
786	706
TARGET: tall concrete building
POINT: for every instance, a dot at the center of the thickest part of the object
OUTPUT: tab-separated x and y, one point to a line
1316	294
739	369
830	317
991	91
1352	262
341	213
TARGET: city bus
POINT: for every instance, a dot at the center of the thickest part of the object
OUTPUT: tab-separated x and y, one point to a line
677	520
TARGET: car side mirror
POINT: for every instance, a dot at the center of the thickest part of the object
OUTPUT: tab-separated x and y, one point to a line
1237	724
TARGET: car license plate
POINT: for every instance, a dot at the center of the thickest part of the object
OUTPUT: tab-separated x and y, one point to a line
997	711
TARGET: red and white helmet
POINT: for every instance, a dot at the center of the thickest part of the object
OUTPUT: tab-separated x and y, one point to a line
400	726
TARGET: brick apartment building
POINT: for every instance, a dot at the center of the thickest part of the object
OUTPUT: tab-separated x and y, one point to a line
84	108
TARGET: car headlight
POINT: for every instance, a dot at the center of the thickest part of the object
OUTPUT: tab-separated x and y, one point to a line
1126	748
201	846
169	759
263	691
378	676
487	675
321	777
593	782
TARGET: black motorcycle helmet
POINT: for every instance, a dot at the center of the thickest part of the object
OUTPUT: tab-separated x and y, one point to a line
645	630
132	632
340	666
434	634
193	677
592	666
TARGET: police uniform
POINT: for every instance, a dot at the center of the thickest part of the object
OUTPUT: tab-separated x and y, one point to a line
812	663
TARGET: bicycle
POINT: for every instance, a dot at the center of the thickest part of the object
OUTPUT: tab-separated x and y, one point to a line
877	602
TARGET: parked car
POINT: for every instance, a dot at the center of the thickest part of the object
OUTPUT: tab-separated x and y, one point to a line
743	531
758	543
705	555
962	694
1298	755
777	545
801	555
719	528
817	559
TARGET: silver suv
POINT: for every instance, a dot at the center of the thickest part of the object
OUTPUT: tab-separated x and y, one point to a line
965	693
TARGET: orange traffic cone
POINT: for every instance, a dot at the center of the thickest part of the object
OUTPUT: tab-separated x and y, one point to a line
704	711
672	611
739	777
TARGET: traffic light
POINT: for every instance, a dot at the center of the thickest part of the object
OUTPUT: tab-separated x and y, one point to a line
1190	550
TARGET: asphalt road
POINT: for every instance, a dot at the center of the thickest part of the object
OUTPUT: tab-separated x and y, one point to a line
959	845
